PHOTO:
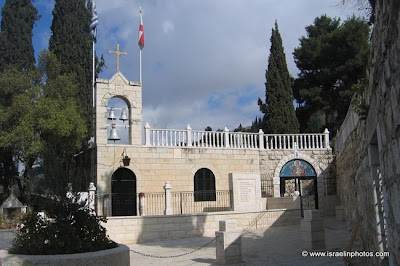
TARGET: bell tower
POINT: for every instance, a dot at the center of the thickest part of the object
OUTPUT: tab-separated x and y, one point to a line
118	109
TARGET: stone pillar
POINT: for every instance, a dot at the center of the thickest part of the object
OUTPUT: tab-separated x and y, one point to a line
142	204
312	230
189	136
326	137
168	196
147	134
107	205
277	187
296	200
226	137
91	197
229	243
261	139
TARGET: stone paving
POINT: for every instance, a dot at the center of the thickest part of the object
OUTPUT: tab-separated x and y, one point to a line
274	246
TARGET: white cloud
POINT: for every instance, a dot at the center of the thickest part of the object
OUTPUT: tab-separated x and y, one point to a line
168	26
196	50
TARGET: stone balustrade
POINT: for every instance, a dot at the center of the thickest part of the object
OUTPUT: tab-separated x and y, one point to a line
236	140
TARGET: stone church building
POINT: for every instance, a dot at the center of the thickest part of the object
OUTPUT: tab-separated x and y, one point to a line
198	163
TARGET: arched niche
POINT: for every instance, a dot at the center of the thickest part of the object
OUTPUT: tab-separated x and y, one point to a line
117	105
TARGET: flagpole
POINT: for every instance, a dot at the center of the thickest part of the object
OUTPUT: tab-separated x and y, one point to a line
93	72
93	93
140	67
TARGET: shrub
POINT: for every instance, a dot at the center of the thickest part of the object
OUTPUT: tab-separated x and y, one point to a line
70	228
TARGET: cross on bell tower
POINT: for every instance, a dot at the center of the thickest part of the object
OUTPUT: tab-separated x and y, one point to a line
117	52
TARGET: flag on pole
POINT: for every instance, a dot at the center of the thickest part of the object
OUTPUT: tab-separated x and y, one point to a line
141	33
94	22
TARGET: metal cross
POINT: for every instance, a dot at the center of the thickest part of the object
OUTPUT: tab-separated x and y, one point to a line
117	52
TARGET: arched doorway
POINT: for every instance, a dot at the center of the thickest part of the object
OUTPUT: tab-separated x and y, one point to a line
123	192
299	175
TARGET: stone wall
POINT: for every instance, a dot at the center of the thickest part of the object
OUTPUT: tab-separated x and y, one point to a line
356	190
156	165
129	230
369	165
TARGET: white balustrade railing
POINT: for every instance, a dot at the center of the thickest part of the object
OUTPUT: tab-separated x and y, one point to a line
243	140
235	140
309	141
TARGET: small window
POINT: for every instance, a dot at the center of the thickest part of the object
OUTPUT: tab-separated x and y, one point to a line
204	185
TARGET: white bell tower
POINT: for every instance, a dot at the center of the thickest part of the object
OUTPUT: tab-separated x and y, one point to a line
128	91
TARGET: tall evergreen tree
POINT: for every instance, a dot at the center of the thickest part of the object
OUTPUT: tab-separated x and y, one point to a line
16	52
278	109
18	18
331	59
71	43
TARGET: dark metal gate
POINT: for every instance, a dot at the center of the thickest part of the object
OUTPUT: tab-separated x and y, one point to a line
299	175
307	188
123	192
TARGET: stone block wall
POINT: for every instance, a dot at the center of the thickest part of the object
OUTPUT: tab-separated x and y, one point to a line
356	189
373	149
129	230
153	166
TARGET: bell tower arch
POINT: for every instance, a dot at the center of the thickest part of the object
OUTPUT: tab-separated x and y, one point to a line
131	93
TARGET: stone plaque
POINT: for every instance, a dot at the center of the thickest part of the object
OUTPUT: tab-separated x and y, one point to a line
246	191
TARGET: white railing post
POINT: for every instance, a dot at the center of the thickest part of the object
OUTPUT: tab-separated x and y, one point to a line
142	204
261	139
168	196
326	133
189	136
91	197
226	135
147	134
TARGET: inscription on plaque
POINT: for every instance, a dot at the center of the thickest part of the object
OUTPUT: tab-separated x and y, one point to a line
247	190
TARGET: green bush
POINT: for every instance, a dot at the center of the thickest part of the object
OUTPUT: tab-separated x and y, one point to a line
70	228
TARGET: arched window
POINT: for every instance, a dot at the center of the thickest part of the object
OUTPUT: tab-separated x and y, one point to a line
118	113
204	185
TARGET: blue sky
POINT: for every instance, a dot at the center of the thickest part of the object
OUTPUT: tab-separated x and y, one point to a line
204	61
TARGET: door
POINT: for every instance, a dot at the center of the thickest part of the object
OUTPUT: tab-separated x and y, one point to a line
123	192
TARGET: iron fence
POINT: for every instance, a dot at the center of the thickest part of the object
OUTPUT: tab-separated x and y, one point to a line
186	202
155	203
267	188
199	202
331	185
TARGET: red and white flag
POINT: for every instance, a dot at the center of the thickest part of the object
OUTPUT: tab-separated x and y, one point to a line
141	33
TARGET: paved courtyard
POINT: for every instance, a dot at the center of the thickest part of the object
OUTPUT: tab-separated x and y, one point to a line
275	246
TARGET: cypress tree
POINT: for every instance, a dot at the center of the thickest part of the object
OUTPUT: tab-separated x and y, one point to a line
18	18
16	52
278	109
71	43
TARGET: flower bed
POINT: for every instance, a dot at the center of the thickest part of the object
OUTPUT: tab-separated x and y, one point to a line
115	256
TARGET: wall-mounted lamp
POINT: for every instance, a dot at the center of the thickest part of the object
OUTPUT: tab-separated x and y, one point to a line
125	159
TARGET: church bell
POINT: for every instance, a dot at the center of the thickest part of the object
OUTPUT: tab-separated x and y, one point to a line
111	115
113	133
124	115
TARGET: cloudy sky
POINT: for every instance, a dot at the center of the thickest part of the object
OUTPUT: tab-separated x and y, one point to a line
204	61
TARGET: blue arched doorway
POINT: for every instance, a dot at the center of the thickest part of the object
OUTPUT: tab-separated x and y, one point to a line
299	175
123	192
